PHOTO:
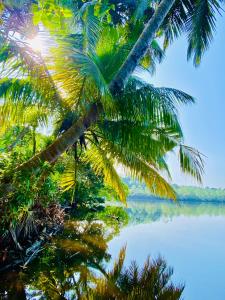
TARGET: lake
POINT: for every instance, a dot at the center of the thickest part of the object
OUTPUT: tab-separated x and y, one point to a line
190	236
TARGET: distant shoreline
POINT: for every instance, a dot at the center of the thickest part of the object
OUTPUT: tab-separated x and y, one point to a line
150	198
186	194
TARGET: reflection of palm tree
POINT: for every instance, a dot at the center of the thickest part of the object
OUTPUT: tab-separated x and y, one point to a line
150	282
66	268
73	268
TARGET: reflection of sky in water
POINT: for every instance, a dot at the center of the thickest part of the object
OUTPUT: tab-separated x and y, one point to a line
193	245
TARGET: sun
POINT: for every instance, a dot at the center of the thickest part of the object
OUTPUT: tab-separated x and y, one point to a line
36	44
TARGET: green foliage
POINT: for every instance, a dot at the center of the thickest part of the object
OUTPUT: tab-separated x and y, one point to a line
53	16
184	193
206	194
102	164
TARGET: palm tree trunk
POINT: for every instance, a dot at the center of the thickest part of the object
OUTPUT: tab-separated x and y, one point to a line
140	47
74	195
34	140
67	139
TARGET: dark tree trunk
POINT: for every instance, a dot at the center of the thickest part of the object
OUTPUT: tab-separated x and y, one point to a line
66	140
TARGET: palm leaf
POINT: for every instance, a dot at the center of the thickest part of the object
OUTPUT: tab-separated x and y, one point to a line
142	171
139	169
102	165
200	27
114	274
68	178
142	101
191	161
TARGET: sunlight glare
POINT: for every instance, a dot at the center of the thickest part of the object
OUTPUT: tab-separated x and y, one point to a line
36	44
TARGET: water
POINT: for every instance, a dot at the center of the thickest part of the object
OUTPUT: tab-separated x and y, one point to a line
190	237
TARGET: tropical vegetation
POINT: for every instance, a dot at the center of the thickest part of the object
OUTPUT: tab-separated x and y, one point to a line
78	108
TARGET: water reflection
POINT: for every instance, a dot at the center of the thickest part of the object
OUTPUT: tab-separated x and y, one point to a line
75	266
190	236
144	211
78	263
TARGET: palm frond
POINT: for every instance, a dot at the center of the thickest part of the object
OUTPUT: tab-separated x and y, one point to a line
112	49
18	60
191	162
152	281
141	170
174	23
200	27
197	19
79	76
114	274
23	103
103	165
88	67
68	178
155	54
19	91
145	102
147	142
91	26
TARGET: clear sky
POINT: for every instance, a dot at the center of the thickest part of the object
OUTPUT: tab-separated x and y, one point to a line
203	123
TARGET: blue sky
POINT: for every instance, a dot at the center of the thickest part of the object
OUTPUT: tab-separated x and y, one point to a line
203	123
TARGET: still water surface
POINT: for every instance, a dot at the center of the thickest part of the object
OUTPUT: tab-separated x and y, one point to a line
190	237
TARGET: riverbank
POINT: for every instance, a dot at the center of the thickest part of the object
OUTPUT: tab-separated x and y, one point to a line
21	243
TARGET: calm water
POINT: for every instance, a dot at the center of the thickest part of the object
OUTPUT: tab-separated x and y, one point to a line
190	237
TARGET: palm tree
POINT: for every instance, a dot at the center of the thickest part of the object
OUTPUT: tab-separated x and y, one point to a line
131	61
106	84
85	79
137	131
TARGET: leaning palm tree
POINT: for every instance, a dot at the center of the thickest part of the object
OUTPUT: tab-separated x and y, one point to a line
184	15
181	16
145	117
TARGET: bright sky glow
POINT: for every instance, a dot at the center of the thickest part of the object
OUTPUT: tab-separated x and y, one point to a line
37	44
